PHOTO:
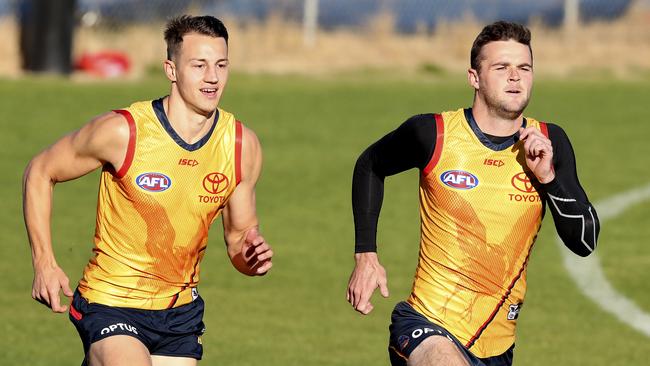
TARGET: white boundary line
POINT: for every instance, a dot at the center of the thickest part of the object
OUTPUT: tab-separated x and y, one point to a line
588	274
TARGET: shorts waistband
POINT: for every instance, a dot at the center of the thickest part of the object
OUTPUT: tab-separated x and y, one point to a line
181	298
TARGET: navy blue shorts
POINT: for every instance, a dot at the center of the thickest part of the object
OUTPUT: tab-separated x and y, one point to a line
170	332
409	328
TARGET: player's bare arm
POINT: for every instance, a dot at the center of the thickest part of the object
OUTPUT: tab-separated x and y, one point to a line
539	153
102	141
249	252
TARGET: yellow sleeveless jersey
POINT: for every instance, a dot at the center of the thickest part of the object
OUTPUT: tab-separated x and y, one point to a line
480	216
153	214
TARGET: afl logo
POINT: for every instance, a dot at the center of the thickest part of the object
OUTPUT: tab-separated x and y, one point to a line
153	182
459	179
215	183
522	183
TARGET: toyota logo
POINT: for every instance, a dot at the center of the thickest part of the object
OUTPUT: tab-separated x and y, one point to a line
215	182
522	183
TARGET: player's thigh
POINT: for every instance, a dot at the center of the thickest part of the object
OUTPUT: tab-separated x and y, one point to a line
118	350
173	361
437	351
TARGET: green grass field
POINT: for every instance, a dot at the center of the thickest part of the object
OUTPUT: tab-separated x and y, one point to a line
312	131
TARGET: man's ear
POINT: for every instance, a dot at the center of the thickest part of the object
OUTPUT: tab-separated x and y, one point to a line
170	70
472	78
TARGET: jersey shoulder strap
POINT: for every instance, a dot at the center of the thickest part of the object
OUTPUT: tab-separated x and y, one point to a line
437	150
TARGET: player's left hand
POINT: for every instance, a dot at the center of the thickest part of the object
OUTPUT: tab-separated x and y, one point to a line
539	153
257	253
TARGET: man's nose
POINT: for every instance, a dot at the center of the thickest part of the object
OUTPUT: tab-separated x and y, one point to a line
211	75
514	75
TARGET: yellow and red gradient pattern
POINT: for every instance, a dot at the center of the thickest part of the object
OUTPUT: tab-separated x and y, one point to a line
153	214
479	219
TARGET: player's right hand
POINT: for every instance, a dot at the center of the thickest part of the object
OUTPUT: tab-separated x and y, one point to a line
257	253
48	281
367	275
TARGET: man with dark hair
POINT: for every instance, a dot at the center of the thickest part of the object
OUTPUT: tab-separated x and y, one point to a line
487	173
178	27
170	166
499	31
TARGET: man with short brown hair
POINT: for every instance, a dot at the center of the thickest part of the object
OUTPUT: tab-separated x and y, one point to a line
487	173
170	166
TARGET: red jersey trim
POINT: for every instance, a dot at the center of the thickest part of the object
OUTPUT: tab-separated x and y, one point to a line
238	138
130	151
437	151
173	301
75	314
544	129
503	299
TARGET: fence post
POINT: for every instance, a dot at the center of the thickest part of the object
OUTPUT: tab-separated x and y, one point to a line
571	15
310	22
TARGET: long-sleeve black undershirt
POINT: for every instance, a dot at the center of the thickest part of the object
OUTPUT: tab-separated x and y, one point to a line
412	144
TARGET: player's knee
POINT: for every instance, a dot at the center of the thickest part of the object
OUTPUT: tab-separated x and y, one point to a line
438	351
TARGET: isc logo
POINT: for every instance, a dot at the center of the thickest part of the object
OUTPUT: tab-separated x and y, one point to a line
459	179
153	182
190	162
494	162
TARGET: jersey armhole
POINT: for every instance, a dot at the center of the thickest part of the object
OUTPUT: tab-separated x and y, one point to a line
130	150
437	150
238	138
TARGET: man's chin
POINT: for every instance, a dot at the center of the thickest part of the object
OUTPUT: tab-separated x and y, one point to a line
512	112
207	110
509	114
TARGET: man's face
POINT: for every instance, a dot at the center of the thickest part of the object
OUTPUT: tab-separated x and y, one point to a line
201	71
505	77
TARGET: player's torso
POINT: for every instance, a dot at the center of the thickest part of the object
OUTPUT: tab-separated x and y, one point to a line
479	218
153	219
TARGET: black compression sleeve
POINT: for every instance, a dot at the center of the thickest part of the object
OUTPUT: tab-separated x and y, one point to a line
409	146
575	218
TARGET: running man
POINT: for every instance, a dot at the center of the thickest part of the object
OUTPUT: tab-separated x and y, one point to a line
486	175
170	166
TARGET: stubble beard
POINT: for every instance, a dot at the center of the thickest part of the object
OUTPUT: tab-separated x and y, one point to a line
504	109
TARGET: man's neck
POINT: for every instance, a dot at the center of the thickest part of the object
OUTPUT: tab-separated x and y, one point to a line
493	124
188	124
